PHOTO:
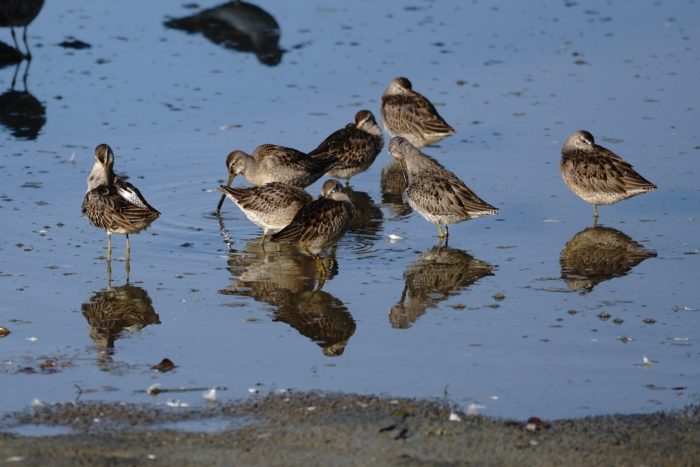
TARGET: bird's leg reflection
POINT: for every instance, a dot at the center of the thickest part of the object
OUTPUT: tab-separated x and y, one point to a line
442	243
14	77
323	273
109	273
595	215
128	268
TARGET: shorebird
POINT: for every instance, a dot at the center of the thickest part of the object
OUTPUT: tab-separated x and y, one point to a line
435	192
271	206
113	204
272	163
19	13
356	146
320	223
409	114
598	175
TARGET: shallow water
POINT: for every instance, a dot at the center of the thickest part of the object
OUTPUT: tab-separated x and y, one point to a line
490	320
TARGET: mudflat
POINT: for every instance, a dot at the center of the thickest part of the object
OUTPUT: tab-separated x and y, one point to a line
341	429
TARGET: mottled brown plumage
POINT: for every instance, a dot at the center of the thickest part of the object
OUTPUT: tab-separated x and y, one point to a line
320	223
113	204
409	114
271	206
356	146
435	192
597	254
432	278
598	175
272	163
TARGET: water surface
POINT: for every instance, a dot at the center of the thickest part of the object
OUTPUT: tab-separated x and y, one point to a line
505	316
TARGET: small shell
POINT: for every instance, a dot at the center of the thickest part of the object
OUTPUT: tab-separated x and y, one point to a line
4	332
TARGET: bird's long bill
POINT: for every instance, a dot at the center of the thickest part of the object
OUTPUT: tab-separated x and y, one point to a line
223	196
404	171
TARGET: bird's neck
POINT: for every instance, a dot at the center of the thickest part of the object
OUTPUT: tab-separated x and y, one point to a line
99	175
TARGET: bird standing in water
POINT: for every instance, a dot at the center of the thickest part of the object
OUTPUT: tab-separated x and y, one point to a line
271	206
113	204
435	192
272	163
356	146
598	175
409	114
320	223
19	13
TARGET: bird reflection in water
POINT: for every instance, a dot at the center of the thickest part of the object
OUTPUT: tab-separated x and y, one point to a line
20	112
269	272
321	317
597	254
239	26
368	217
113	310
393	183
436	275
286	279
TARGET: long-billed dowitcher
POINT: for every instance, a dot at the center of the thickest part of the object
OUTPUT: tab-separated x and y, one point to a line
113	204
409	114
271	206
356	146
320	223
19	13
598	175
271	163
435	192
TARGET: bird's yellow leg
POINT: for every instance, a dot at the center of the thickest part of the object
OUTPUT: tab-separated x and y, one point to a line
109	246
322	273
440	234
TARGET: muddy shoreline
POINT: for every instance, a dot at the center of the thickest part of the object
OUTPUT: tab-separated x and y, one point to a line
343	429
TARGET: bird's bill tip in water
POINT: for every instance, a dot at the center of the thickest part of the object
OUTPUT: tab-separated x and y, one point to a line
231	176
